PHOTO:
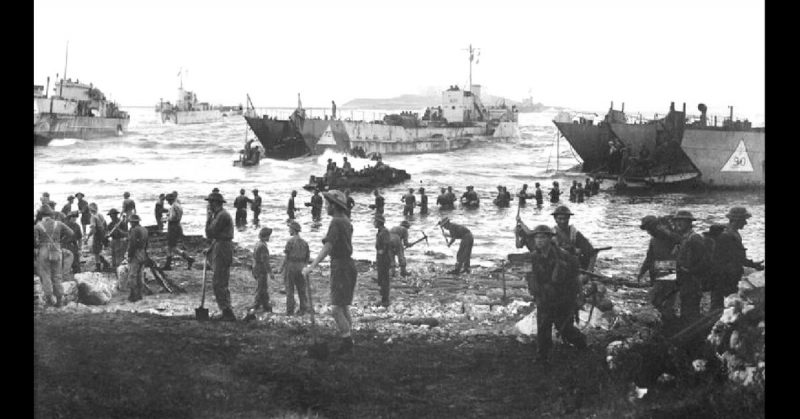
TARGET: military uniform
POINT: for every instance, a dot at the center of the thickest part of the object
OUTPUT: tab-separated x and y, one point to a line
219	228
261	272
384	259
423	203
523	196
659	260
730	257
464	248
690	271
48	235
297	256
378	206
538	196
74	244
290	208
118	241
398	239
555	286
137	258
409	201
86	215
316	207
255	206
573	241
343	268
159	212
555	194
240	203
98	228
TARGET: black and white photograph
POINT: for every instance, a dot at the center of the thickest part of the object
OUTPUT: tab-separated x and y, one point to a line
413	209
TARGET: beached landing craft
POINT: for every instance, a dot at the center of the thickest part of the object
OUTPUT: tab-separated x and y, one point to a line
462	119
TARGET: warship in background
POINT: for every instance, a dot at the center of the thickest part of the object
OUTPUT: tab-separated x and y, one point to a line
187	110
461	120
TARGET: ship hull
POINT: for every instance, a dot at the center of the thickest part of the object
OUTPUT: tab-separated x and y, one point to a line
282	140
191	117
589	141
726	158
50	127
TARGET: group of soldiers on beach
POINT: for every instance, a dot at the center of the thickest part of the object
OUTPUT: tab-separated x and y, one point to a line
561	257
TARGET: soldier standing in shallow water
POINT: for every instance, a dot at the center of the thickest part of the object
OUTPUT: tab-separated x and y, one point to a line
409	201
379	203
255	206
538	195
338	244
137	257
423	202
524	195
316	206
555	193
555	286
240	203
290	208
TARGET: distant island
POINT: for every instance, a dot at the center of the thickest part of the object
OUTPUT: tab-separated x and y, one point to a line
412	102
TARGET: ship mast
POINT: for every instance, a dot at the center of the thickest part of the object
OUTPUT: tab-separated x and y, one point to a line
472	52
66	59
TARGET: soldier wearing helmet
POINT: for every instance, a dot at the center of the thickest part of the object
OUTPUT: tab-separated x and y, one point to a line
555	286
569	238
137	256
730	257
399	241
660	262
691	269
240	203
219	229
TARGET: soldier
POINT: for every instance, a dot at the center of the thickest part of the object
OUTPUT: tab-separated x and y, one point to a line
48	234
451	198
160	211
290	208
659	261
67	208
731	256
379	203
470	198
347	167
118	231
691	256
86	215
74	244
465	247
538	195
137	257
97	232
555	286
316	206
423	202
262	271
255	206
240	203
175	233
579	193
568	237
441	200
409	201
502	199
297	257
128	206
350	203
383	258
587	188
555	193
573	193
523	195
338	244
219	229
399	241
595	186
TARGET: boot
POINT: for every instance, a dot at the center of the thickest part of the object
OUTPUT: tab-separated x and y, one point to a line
403	271
346	347
59	301
190	262
168	264
227	316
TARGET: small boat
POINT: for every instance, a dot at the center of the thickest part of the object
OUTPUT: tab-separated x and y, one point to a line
368	178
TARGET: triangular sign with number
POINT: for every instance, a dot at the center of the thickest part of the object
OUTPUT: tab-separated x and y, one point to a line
739	160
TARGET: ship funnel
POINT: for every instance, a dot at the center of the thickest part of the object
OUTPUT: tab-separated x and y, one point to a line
684	107
672	106
702	108
623	107
612	104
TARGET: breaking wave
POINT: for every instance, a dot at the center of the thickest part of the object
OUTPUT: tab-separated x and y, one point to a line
63	142
96	161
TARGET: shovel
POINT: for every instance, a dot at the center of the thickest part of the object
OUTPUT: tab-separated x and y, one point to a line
201	313
317	350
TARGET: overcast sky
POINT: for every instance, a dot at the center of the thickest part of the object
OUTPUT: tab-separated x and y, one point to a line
580	54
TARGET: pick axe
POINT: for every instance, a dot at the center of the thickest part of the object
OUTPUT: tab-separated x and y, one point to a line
424	237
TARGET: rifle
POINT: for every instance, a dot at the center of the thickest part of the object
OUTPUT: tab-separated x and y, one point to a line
116	226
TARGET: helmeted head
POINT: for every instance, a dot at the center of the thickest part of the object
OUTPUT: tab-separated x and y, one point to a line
295	226
738	216
265	233
411	190
215	190
241	191
542	236
421	190
51	204
561	215
126	195
215	200
294	193
683	220
79	195
469	188
335	198
93	207
536	184
648	222
255	191
113	212
70	198
171	198
162	197
450	189
46	211
555	183
135	219
316	191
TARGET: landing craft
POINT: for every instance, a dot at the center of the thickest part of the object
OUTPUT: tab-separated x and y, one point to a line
460	120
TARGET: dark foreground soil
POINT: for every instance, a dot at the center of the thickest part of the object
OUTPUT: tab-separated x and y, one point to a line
153	359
